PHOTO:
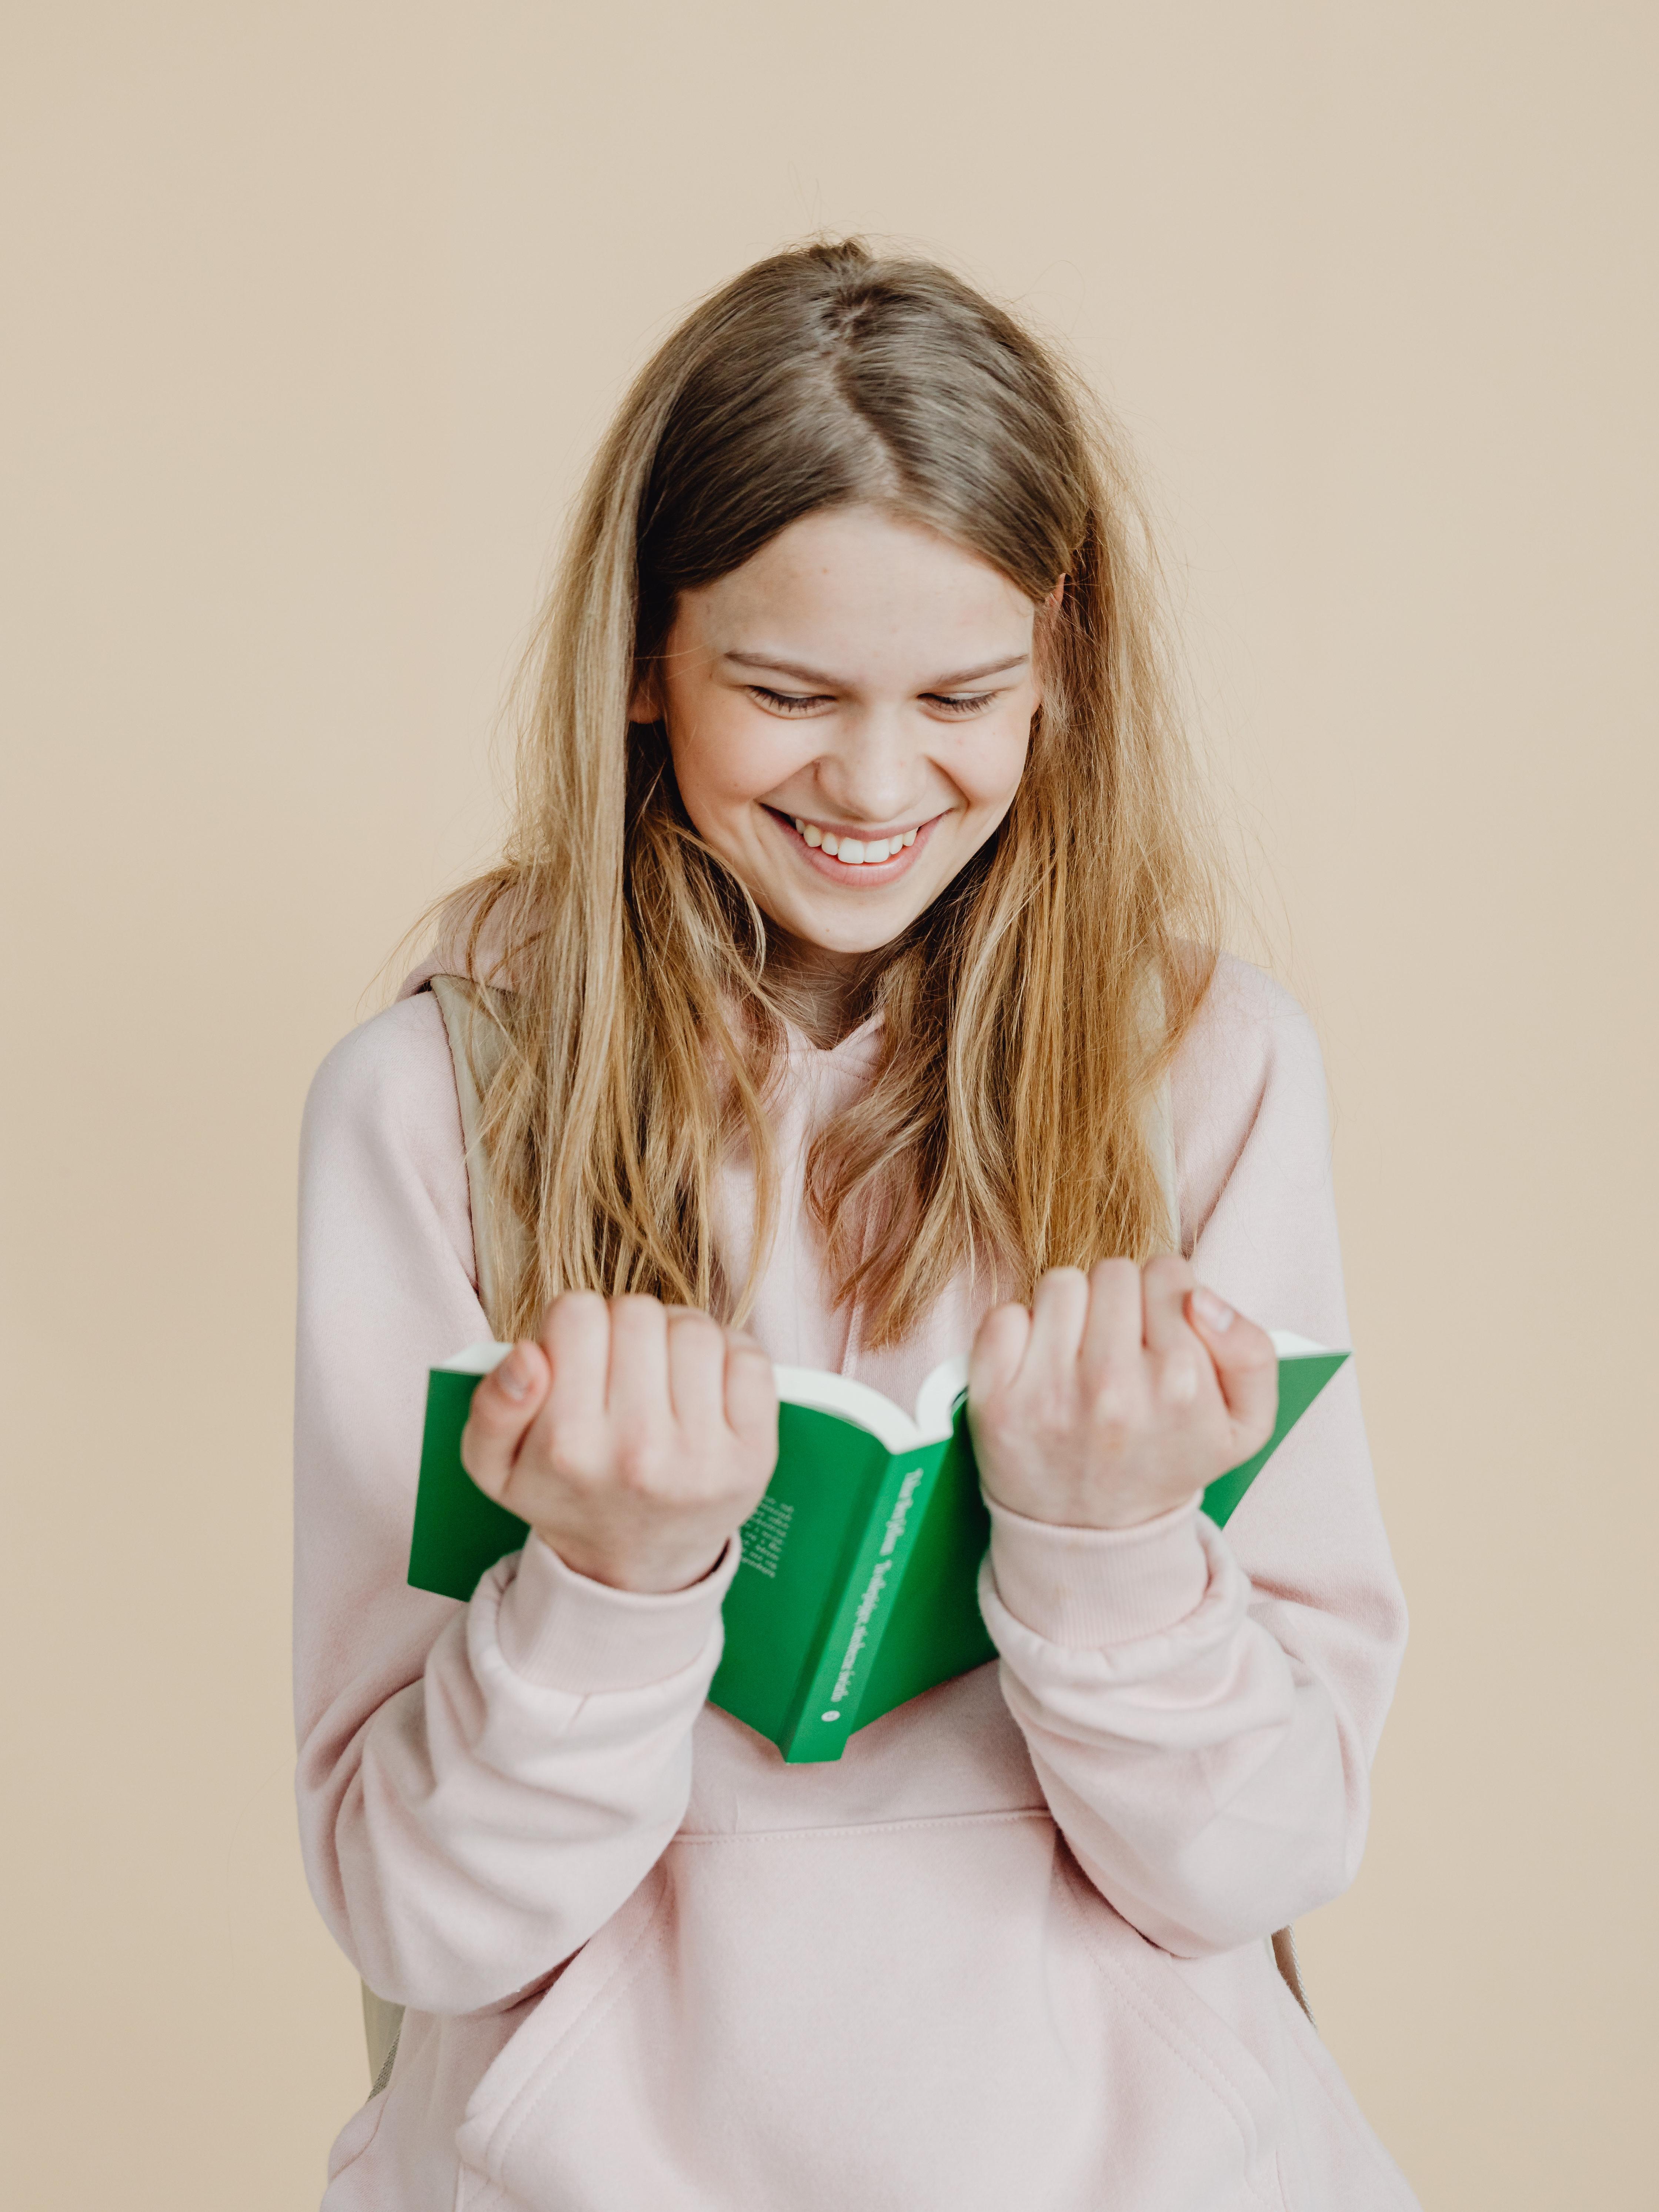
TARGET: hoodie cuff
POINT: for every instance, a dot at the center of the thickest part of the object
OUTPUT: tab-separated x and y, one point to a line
1091	1588
564	1631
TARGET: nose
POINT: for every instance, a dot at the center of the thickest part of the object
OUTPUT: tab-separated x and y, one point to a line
874	771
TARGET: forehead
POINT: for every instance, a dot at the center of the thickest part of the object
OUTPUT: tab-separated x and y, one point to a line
863	596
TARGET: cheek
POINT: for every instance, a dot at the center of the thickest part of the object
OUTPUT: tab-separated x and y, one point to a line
710	760
730	758
992	759
733	784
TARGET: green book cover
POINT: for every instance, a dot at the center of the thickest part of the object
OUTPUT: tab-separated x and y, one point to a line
858	1586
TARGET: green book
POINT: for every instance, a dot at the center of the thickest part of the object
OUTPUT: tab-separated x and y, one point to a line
858	1585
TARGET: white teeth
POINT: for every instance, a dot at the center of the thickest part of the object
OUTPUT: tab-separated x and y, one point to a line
856	853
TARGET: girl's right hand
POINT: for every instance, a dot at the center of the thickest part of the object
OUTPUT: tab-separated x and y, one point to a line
633	1437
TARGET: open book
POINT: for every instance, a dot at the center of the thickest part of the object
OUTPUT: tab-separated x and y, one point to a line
858	1582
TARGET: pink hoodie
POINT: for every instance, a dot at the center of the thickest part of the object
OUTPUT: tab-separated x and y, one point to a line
1008	1955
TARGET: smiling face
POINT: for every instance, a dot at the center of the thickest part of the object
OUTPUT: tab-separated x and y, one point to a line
848	714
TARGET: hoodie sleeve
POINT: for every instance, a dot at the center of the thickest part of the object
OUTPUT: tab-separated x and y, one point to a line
1202	1709
480	1786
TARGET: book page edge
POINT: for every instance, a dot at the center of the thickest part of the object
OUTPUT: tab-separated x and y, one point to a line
859	1403
1289	1345
937	1399
481	1359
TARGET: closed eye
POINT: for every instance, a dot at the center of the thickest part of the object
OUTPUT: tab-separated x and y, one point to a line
788	702
959	704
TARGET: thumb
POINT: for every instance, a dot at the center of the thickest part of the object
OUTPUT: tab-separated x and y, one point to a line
1246	1365
504	1405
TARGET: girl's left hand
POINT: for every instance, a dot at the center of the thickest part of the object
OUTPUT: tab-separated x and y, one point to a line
1117	1396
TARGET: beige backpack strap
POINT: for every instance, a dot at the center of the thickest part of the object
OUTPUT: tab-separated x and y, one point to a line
383	2025
478	1044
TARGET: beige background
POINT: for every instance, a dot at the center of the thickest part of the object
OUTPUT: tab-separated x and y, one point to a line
314	311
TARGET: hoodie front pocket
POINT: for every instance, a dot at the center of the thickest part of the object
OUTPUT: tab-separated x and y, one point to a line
1146	1984
570	2012
908	2017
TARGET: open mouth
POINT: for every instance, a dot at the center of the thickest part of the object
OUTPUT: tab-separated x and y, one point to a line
853	852
845	858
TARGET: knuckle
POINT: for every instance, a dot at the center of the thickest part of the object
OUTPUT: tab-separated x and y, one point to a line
1061	1289
1113	1435
638	1455
575	1319
696	1333
1116	1404
1180	1378
1168	1270
573	1454
1114	1287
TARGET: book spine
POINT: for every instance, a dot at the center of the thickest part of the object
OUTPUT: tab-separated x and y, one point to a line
825	1711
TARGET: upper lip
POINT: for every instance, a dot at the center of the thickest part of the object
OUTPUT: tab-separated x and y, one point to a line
871	832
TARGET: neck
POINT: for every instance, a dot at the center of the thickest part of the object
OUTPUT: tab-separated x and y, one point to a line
824	993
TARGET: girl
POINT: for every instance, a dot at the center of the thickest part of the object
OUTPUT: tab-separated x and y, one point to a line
850	990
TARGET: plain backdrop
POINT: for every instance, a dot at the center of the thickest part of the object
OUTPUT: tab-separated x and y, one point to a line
314	313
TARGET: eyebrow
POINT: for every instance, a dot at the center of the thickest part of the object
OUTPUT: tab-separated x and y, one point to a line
831	683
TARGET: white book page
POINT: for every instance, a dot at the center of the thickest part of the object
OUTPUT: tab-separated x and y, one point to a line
482	1358
1289	1345
851	1401
867	1408
936	1405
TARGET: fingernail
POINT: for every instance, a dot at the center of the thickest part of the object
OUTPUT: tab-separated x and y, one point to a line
514	1373
1215	1313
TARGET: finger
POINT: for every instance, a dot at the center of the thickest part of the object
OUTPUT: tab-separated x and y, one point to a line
1165	1282
504	1406
751	1390
1060	1311
696	1368
1246	1366
638	1378
998	1345
576	1338
1112	1330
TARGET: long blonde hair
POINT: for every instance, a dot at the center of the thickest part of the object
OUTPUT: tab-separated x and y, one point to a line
1028	1016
